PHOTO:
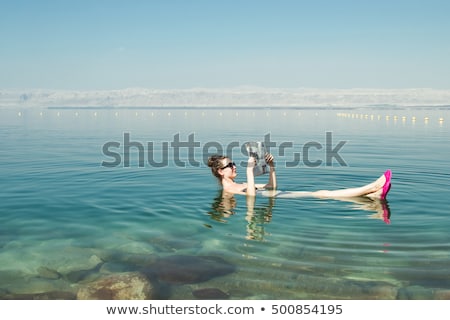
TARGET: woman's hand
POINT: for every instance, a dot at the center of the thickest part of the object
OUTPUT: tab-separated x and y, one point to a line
269	159
251	162
272	184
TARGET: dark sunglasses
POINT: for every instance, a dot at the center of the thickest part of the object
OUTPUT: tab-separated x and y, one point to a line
229	165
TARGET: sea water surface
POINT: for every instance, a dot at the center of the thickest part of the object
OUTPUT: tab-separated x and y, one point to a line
77	207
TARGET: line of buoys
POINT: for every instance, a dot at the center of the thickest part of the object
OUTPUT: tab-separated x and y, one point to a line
372	117
395	118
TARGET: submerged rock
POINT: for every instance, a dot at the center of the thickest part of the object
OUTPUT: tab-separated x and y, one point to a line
73	259
52	295
210	293
182	269
123	286
34	285
48	273
442	294
166	244
133	260
415	293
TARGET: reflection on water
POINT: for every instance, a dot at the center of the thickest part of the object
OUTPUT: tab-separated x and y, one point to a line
224	207
380	208
257	216
69	226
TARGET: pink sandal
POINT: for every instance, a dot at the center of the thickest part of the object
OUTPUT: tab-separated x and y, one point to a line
387	184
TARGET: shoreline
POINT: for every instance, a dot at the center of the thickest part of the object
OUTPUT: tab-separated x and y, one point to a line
239	98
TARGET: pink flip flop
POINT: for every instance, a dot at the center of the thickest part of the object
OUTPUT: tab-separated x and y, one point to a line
387	184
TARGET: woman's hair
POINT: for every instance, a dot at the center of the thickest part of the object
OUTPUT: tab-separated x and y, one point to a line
215	163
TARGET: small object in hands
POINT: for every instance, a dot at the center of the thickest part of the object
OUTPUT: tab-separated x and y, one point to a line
257	150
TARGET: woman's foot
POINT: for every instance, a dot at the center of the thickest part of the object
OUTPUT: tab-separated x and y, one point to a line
381	186
387	184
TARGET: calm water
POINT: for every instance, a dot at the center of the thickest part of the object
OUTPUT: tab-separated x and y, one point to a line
66	220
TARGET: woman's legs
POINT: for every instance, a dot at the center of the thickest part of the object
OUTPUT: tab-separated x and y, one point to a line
377	189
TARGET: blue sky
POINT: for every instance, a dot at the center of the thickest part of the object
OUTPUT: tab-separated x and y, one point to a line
109	44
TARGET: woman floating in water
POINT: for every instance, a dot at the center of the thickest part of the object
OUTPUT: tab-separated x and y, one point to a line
225	171
370	197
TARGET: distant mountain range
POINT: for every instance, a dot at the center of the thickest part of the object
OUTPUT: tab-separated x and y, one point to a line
226	97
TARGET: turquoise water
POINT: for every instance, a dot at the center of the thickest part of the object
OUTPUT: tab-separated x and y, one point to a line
66	220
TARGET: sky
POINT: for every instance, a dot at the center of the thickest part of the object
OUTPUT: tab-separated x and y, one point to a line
169	44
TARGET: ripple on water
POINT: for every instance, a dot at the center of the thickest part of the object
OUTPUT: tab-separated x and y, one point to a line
63	210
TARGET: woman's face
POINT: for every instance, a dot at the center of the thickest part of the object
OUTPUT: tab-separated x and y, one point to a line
228	169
